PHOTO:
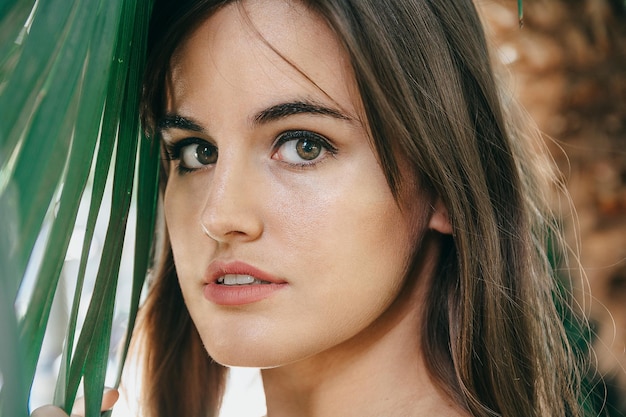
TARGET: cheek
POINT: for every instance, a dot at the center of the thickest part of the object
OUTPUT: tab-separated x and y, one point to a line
344	224
351	269
353	244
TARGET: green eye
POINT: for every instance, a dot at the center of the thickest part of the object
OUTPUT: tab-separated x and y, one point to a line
308	149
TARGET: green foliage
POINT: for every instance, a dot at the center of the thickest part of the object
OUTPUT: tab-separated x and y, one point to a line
70	75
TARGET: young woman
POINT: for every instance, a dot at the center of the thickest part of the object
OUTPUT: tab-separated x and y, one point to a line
347	209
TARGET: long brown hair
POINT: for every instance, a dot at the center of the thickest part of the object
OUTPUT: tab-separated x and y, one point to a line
492	337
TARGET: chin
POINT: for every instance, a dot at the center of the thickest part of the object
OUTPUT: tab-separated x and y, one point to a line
255	353
246	359
246	341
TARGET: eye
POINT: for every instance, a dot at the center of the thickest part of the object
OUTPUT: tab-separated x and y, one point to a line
196	155
300	147
192	154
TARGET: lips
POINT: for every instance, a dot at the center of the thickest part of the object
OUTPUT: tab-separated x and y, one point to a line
229	271
238	283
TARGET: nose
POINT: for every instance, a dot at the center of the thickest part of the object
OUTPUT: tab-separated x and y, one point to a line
232	210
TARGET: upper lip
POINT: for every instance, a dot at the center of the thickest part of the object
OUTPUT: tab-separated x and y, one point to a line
218	269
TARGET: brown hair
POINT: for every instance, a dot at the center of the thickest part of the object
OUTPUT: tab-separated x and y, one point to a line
492	337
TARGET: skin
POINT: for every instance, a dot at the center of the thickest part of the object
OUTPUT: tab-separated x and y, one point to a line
328	228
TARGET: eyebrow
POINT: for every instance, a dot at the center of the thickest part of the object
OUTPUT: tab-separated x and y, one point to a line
283	110
270	114
176	121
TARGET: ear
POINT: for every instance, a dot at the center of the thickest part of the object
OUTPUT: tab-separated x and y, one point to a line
439	218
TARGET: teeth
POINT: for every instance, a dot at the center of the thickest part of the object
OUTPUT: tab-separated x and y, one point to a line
233	279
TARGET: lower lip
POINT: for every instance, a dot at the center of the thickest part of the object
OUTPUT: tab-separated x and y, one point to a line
235	295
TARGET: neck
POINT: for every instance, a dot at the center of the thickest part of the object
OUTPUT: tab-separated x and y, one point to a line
380	372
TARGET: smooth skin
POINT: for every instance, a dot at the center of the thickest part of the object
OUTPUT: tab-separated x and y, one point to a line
271	155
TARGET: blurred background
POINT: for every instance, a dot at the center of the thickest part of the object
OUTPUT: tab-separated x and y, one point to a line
567	67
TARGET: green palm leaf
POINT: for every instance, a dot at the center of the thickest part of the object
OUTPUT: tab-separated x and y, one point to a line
69	93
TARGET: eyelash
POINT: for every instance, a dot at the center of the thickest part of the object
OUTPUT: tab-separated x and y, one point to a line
173	150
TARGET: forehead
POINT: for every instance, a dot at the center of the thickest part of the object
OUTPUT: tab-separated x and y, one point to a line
264	49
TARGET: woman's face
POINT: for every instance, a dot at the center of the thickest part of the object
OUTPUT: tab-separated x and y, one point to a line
286	238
